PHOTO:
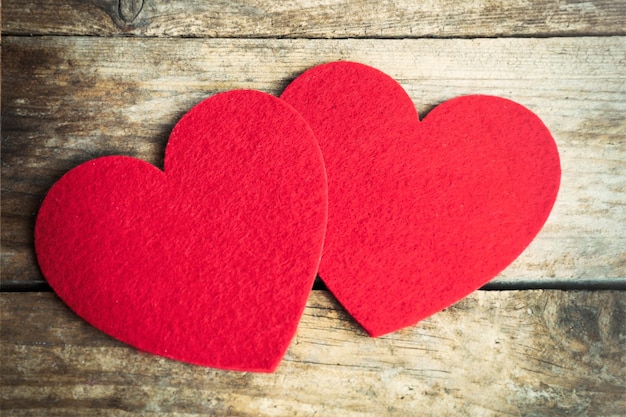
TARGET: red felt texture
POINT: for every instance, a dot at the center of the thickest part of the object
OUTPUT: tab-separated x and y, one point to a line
421	213
209	261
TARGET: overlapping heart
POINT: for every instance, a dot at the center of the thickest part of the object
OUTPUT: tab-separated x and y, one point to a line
210	261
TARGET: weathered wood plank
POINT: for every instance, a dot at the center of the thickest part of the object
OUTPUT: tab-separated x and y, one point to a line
69	99
539	353
314	19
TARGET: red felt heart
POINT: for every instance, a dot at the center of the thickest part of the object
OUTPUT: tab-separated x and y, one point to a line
421	213
209	261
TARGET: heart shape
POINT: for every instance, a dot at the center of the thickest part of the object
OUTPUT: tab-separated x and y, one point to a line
421	213
209	261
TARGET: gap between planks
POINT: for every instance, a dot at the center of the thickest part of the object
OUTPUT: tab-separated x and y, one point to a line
313	38
613	284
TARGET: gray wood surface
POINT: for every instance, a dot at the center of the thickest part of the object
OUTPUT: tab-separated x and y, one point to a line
518	353
69	99
315	19
81	79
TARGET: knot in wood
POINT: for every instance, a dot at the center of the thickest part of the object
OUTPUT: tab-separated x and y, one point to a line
128	10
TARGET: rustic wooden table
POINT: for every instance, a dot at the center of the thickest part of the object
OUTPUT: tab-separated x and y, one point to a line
81	79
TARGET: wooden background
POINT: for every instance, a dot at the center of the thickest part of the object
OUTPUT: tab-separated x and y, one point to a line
547	337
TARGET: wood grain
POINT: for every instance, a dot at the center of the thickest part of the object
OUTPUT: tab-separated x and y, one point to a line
529	353
315	19
69	99
86	78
